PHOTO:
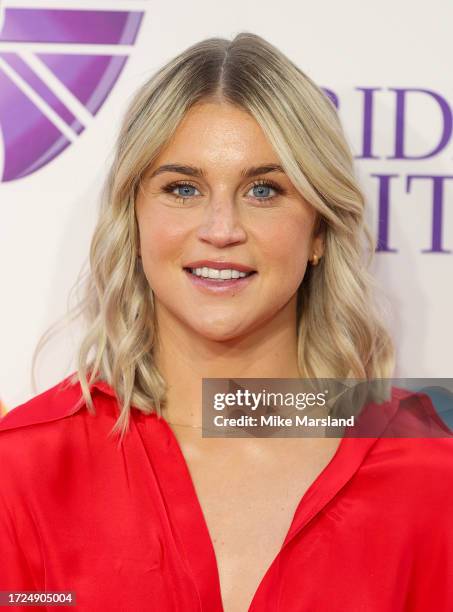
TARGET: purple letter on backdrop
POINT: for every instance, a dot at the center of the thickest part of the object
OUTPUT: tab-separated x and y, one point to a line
447	122
368	122
384	213
438	199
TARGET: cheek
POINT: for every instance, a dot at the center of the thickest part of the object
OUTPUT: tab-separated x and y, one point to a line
286	247
163	245
161	237
157	246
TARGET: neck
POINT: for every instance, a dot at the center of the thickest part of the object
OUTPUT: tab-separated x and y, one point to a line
184	357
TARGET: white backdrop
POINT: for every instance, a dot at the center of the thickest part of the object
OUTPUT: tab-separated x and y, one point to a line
47	217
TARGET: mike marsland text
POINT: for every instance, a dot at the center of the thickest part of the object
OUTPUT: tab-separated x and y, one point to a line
279	421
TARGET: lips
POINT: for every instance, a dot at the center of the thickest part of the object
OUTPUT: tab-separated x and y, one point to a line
217	286
218	265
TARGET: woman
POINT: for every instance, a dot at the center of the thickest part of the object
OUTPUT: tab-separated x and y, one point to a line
229	158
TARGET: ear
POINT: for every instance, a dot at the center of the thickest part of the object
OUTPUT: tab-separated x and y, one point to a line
318	245
318	240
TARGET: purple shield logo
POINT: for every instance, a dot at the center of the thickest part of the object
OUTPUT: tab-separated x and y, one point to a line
50	91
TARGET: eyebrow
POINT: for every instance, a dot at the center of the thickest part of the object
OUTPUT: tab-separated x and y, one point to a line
197	172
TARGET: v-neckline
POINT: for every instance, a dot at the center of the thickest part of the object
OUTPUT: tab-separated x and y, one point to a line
192	525
184	508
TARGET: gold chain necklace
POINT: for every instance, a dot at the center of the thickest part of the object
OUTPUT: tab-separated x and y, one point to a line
185	425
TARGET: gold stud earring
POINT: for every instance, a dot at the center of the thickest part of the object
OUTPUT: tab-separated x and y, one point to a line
314	260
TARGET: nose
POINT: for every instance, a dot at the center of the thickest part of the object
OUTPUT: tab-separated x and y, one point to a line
221	224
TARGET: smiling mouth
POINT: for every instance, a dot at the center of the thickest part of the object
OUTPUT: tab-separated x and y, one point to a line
216	276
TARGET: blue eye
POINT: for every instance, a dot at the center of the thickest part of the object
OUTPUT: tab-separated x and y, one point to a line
185	190
181	191
261	191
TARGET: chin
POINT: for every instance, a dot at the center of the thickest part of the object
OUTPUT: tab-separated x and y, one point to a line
217	333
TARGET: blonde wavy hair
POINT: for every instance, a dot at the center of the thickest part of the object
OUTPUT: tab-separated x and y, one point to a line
339	331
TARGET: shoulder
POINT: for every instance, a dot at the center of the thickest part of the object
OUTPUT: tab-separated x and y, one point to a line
417	450
30	436
61	400
52	408
31	433
41	435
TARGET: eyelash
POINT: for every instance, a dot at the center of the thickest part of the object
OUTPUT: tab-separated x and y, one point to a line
264	182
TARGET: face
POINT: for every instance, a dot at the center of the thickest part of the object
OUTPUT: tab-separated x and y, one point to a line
216	198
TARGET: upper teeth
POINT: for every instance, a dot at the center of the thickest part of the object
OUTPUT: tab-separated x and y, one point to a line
214	273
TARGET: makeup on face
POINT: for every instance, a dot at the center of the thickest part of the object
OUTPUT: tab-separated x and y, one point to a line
224	235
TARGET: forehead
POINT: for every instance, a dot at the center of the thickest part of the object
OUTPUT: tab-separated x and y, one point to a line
218	134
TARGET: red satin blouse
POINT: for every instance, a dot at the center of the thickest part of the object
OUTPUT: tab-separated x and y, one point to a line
122	528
